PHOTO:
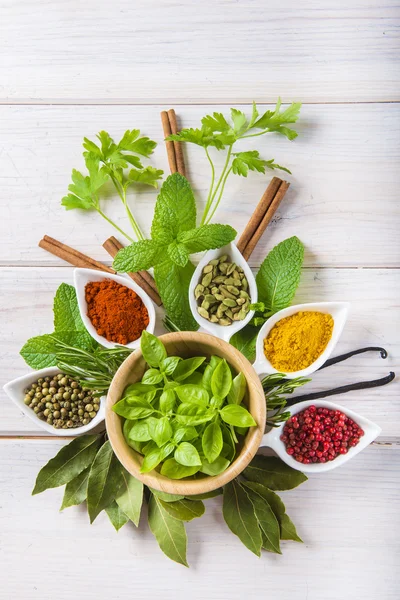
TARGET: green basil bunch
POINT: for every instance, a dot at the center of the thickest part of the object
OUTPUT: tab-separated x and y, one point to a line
185	414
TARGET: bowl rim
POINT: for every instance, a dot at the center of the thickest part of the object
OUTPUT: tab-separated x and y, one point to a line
12	390
187	487
98	275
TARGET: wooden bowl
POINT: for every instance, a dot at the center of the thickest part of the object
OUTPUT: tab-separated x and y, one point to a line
186	345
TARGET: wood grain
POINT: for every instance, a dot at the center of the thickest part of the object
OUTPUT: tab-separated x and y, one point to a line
173	51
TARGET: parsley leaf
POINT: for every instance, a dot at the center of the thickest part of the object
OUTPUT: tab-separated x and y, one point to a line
239	120
250	160
147	176
216	122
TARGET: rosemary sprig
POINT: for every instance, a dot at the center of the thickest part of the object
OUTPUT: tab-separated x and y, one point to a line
276	388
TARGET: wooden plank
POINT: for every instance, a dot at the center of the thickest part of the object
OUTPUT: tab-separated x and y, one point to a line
184	51
342	202
26	298
346	518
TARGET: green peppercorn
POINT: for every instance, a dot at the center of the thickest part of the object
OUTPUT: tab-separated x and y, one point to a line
45	391
35	401
70	423
40	380
36	409
39	395
74	411
27	399
61	390
67	395
85	421
47	379
56	406
92	414
50	420
31	393
52	389
86	415
41	405
59	376
89	407
80	411
49	398
58	397
46	412
74	385
64	412
40	414
64	381
56	414
75	418
67	404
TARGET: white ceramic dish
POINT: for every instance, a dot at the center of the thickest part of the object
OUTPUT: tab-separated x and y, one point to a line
221	331
272	438
339	312
15	391
84	276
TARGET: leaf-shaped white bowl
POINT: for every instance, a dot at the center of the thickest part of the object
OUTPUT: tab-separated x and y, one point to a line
15	391
339	312
221	331
84	276
272	438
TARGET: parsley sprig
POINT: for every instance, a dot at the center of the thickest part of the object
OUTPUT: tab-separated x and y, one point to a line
110	161
216	131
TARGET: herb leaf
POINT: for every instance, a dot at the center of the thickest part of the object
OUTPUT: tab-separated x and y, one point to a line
153	349
236	415
178	253
66	310
187	455
146	176
267	521
279	274
76	490
221	380
68	463
212	441
174	470
139	256
239	515
105	479
245	341
238	389
184	509
116	515
187	366
169	532
206	237
273	473
173	284
175	209
130	496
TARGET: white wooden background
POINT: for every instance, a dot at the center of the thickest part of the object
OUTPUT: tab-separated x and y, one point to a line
70	68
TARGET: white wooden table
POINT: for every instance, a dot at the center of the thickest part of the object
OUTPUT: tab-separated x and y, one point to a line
69	69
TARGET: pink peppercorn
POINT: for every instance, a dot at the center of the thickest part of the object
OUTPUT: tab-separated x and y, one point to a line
319	434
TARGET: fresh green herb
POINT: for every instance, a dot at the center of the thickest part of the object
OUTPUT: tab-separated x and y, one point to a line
117	517
184	423
240	517
276	389
76	490
169	532
272	473
174	238
107	162
130	496
245	341
105	480
220	133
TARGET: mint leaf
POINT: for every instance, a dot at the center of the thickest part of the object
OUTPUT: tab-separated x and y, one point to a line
175	209
139	256
245	341
207	237
279	274
66	310
173	284
147	176
178	253
40	352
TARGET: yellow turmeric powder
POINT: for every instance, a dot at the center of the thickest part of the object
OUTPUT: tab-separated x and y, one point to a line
295	342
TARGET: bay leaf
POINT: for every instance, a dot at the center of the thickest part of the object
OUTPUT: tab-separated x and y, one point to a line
273	473
116	515
169	532
130	496
240	517
166	497
184	510
288	529
206	495
68	463
267	521
76	490
105	479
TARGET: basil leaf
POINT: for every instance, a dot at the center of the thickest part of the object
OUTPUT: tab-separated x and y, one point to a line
209	370
169	364
160	430
175	209
137	389
153	349
212	441
267	521
185	434
167	401
116	515
216	467
187	367
166	497
221	380
140	410
130	496
133	398
279	274
193	414
68	463
238	389
187	455
169	532
192	393
273	473
245	341
195	378
206	495
216	402
76	490
239	515
237	415
174	470
105	479
153	458
137	431
184	510
152	376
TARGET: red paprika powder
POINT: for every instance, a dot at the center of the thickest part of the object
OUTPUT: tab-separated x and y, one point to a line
116	312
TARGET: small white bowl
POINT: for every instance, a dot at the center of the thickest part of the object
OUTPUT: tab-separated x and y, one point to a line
15	390
339	312
221	331
84	276
272	438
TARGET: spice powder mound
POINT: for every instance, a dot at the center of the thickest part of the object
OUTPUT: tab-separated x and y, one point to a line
295	342
116	312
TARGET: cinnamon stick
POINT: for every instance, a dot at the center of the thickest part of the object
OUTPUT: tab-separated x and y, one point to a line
142	278
266	219
259	213
180	162
75	258
169	145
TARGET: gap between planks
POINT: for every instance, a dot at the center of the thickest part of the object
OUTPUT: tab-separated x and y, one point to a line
175	101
